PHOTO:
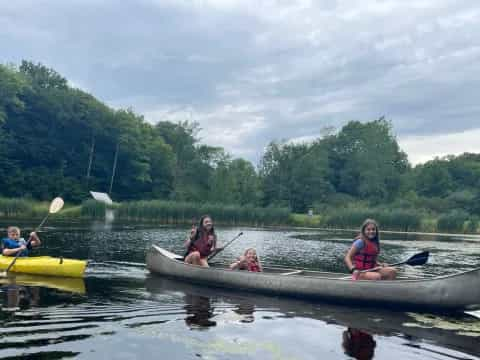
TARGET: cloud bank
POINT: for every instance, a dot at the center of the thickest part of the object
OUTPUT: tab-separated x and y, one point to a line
254	71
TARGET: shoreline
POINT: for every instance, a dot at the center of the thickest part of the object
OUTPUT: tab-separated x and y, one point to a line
65	221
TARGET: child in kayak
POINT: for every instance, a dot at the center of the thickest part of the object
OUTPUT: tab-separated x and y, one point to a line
248	261
201	243
13	244
363	255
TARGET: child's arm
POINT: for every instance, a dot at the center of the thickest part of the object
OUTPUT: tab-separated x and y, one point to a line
12	252
239	264
190	238
35	240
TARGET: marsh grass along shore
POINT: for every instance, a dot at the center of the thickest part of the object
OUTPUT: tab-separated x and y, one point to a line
173	212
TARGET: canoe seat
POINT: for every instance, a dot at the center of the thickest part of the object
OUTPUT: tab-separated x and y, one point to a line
296	272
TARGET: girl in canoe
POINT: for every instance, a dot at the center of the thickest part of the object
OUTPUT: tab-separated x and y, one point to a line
201	243
248	261
363	255
13	244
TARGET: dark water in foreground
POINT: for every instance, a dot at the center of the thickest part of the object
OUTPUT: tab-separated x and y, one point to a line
121	311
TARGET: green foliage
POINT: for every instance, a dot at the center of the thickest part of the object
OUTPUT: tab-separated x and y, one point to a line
452	221
93	209
392	219
22	208
58	140
176	212
295	175
366	160
472	225
303	220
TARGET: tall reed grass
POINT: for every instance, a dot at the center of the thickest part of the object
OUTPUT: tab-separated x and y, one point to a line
94	209
453	221
22	208
174	212
392	219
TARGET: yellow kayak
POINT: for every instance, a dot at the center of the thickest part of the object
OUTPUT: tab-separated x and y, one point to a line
73	285
45	265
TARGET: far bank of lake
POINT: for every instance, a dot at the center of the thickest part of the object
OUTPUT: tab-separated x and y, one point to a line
184	213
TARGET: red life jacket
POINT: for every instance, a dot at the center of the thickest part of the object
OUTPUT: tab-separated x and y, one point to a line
253	266
203	245
366	258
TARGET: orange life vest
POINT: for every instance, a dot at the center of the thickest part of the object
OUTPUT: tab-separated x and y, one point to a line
203	245
253	266
366	258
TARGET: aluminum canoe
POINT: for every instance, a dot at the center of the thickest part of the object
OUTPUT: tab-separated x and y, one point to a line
452	292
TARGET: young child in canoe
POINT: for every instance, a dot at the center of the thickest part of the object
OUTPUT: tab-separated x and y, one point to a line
248	261
201	243
13	243
363	254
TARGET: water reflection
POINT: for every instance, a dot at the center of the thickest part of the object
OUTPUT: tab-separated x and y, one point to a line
17	297
358	344
70	285
22	291
199	312
246	310
209	307
128	313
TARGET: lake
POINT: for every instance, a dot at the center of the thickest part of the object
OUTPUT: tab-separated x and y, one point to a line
120	311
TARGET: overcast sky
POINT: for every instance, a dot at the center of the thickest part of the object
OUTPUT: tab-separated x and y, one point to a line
253	71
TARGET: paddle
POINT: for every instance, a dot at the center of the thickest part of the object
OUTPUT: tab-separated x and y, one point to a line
223	248
55	206
415	260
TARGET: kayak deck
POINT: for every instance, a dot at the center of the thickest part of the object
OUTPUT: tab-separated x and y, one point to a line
45	265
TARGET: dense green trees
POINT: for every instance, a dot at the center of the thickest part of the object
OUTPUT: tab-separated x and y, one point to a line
362	161
59	140
55	139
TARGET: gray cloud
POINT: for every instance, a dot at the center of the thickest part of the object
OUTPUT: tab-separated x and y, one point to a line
252	71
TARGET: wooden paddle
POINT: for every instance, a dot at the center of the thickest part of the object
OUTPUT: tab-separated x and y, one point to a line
55	206
223	248
415	260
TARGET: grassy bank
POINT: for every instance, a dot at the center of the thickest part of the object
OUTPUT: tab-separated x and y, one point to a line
22	208
172	212
407	220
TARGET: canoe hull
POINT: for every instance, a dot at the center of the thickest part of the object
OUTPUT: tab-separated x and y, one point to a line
45	265
454	292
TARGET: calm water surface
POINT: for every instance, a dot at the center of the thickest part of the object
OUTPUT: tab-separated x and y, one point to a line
121	311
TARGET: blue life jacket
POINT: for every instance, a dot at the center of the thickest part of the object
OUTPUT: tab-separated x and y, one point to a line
8	243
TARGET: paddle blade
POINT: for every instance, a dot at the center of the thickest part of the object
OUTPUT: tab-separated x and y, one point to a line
56	205
418	259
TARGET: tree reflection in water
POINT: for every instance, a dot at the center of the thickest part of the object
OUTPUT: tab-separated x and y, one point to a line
358	344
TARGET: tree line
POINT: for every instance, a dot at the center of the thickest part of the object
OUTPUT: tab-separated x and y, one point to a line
56	139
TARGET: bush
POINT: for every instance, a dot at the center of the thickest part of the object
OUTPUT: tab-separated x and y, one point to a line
472	225
452	221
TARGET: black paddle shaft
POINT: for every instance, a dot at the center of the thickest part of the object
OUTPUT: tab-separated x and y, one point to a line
215	254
